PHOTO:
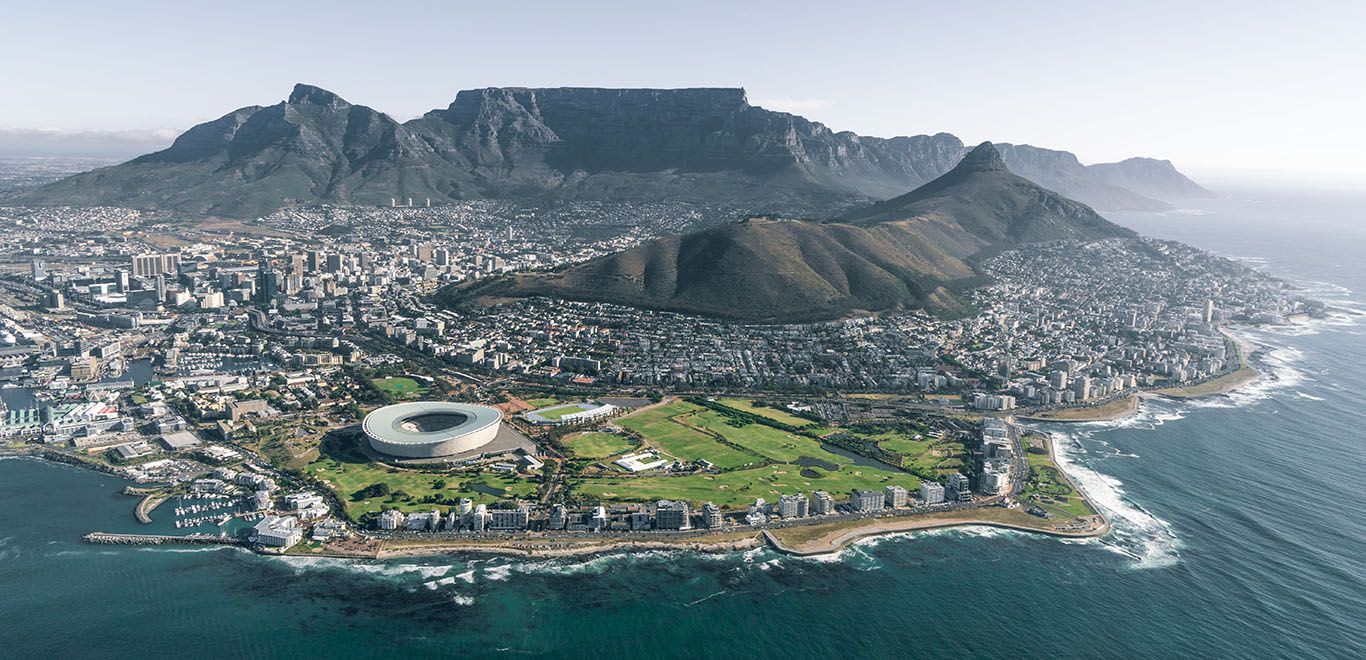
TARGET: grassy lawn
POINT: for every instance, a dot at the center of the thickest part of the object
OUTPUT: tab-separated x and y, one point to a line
928	452
736	489
775	414
542	402
1047	489
346	470
674	437
400	387
592	444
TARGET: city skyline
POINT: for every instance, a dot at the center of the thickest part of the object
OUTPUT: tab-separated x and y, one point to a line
1216	93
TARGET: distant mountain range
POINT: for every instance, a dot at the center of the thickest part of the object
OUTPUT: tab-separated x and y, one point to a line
914	251
693	145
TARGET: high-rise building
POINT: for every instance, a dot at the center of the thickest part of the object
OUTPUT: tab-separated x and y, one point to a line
931	492
672	515
711	516
897	496
822	504
1209	311
509	519
793	506
559	517
37	270
959	490
868	500
267	285
151	264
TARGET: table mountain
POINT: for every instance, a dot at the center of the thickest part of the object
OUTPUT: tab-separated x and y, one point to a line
693	145
913	251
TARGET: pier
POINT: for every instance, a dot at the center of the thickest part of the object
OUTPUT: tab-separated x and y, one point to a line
108	538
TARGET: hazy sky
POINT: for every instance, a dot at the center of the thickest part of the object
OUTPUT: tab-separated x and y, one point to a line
1270	86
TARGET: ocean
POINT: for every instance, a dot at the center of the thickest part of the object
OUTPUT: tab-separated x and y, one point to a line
1238	533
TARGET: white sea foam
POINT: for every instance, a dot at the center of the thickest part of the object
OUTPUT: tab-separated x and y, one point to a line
463	601
1135	532
498	573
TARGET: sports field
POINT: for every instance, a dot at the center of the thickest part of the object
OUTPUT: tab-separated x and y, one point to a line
775	414
400	387
554	414
591	444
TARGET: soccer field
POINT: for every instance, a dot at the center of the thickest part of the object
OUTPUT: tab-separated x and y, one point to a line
400	387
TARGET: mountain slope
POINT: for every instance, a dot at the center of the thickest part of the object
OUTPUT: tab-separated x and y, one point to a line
692	145
912	251
312	147
990	203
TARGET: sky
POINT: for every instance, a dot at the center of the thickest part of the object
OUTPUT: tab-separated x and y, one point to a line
1264	88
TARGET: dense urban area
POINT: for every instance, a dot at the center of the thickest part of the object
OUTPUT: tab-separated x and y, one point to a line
228	366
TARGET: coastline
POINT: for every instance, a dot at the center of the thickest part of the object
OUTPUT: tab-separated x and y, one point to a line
1118	409
806	540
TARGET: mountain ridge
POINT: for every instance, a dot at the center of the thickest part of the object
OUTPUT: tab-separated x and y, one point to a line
917	250
700	145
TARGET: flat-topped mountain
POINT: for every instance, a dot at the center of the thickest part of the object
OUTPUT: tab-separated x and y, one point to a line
913	251
705	146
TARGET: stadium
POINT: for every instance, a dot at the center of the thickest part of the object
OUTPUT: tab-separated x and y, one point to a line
431	429
570	413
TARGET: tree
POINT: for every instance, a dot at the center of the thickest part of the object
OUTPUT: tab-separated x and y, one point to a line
379	489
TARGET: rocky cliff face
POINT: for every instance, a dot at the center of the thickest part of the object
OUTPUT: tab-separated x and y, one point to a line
694	145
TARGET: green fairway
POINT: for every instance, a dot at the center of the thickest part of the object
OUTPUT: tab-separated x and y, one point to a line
346	470
766	441
664	427
736	489
592	444
775	414
400	387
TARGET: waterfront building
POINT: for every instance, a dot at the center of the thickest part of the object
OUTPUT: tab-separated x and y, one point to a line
958	490
279	531
897	496
391	519
995	479
638	521
509	519
822	503
793	506
479	518
711	516
598	521
559	517
868	500
931	492
672	515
